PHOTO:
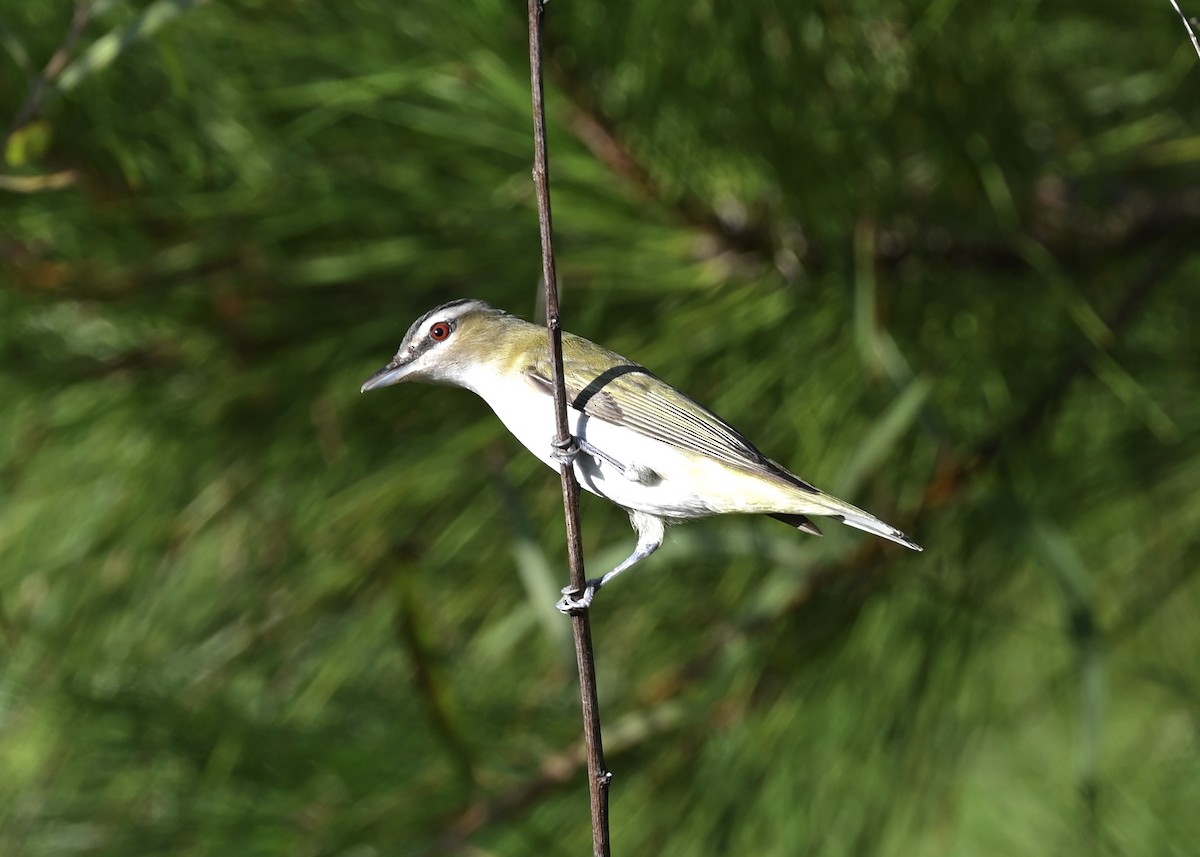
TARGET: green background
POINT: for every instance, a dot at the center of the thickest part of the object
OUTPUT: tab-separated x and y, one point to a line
939	258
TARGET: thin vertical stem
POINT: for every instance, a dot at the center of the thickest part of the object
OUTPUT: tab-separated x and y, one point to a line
598	773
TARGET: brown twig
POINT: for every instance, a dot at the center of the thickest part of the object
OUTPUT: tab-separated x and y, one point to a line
661	718
598	773
599	135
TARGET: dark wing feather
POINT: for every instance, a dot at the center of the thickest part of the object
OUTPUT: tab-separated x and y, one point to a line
629	395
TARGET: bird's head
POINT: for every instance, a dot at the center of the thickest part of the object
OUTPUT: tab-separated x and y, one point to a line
445	345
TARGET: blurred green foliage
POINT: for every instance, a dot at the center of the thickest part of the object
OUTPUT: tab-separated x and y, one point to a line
937	255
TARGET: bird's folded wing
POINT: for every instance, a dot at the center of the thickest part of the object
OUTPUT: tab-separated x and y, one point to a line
626	394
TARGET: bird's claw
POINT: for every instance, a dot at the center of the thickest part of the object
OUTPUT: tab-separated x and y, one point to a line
574	602
564	450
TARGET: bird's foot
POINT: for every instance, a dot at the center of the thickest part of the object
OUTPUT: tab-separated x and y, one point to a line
574	601
564	450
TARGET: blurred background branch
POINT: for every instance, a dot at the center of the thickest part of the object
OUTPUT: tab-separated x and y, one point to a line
940	256
1187	25
58	61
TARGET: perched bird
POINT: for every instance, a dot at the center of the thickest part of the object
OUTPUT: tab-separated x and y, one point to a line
643	444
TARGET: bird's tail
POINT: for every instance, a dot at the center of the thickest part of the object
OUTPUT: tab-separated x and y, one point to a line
869	523
851	516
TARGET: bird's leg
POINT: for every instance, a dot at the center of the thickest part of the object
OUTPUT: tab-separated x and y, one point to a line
601	456
569	451
650	531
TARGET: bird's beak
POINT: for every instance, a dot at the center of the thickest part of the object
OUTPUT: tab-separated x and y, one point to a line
393	373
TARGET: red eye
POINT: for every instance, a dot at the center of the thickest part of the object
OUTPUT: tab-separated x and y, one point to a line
439	331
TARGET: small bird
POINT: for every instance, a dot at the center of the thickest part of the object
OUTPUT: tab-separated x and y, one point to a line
641	443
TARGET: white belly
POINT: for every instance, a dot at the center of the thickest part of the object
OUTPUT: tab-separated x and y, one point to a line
653	476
